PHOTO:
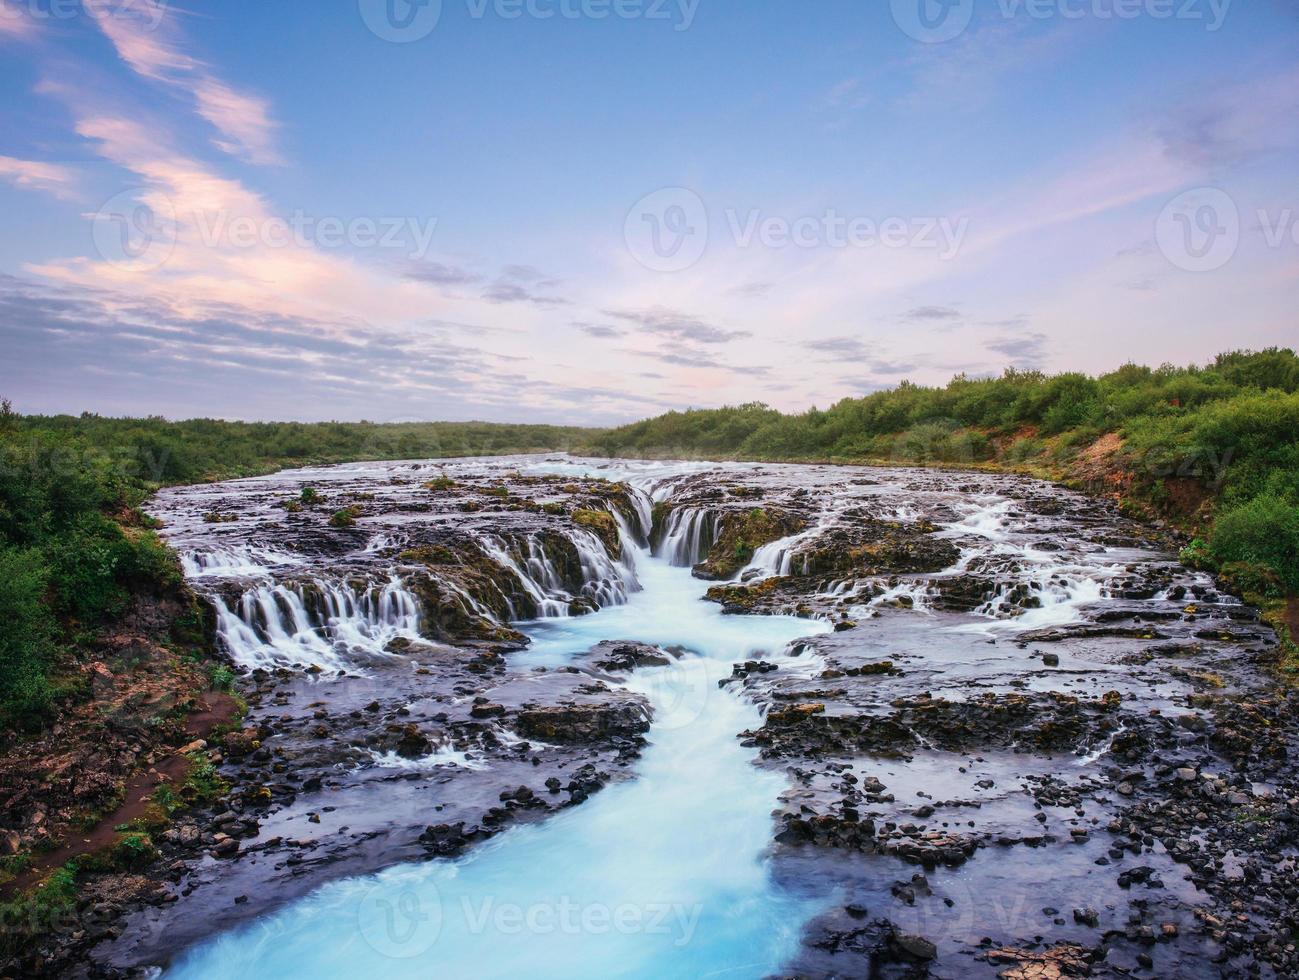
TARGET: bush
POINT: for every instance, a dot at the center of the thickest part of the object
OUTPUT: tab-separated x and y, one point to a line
1264	532
27	631
343	518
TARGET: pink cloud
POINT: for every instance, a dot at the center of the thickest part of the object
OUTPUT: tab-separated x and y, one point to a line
153	48
243	120
14	23
34	175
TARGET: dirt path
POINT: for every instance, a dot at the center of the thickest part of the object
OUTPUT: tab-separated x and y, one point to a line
215	708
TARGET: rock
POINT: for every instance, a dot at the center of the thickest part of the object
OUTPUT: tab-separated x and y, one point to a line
1186	775
10	842
795	714
487	710
582	724
1087	917
916	946
621	657
1051	659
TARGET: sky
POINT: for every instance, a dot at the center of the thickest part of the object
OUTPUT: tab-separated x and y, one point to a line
592	211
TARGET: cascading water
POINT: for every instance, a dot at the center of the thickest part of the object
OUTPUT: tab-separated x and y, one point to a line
323	624
1059	585
246	561
687	536
605	582
661	876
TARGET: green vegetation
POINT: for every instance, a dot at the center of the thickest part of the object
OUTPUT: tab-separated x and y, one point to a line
36	912
1217	446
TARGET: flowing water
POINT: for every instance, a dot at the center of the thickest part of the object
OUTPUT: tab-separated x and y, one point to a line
662	876
673	868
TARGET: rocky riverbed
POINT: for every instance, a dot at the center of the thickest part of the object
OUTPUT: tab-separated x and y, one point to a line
1016	737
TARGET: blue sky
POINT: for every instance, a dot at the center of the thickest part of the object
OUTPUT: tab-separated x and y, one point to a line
589	211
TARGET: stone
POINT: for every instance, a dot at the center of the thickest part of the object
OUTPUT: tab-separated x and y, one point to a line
917	946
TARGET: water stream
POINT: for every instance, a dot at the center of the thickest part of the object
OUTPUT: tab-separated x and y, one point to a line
1052	637
660	876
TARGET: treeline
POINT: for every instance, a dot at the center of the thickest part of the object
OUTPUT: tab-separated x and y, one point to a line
75	549
1231	426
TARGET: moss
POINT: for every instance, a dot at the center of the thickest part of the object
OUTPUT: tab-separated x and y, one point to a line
446	616
430	555
744	597
741	534
134	850
603	524
39	911
346	517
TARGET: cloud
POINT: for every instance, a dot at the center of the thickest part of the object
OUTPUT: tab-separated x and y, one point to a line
1233	122
752	290
965	72
14	23
148	41
243	120
1141	249
34	175
529	274
892	367
66	342
671	323
1027	351
840	347
847	94
598	329
922	313
439	274
509	292
692	359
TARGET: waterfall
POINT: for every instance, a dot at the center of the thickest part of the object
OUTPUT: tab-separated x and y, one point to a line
322	624
534	571
644	513
688	535
243	561
604	580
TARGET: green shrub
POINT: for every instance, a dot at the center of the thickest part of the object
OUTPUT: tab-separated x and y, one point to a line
90	566
221	676
346	517
1263	532
27	632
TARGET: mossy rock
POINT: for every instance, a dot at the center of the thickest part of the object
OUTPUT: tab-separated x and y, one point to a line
742	533
605	527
